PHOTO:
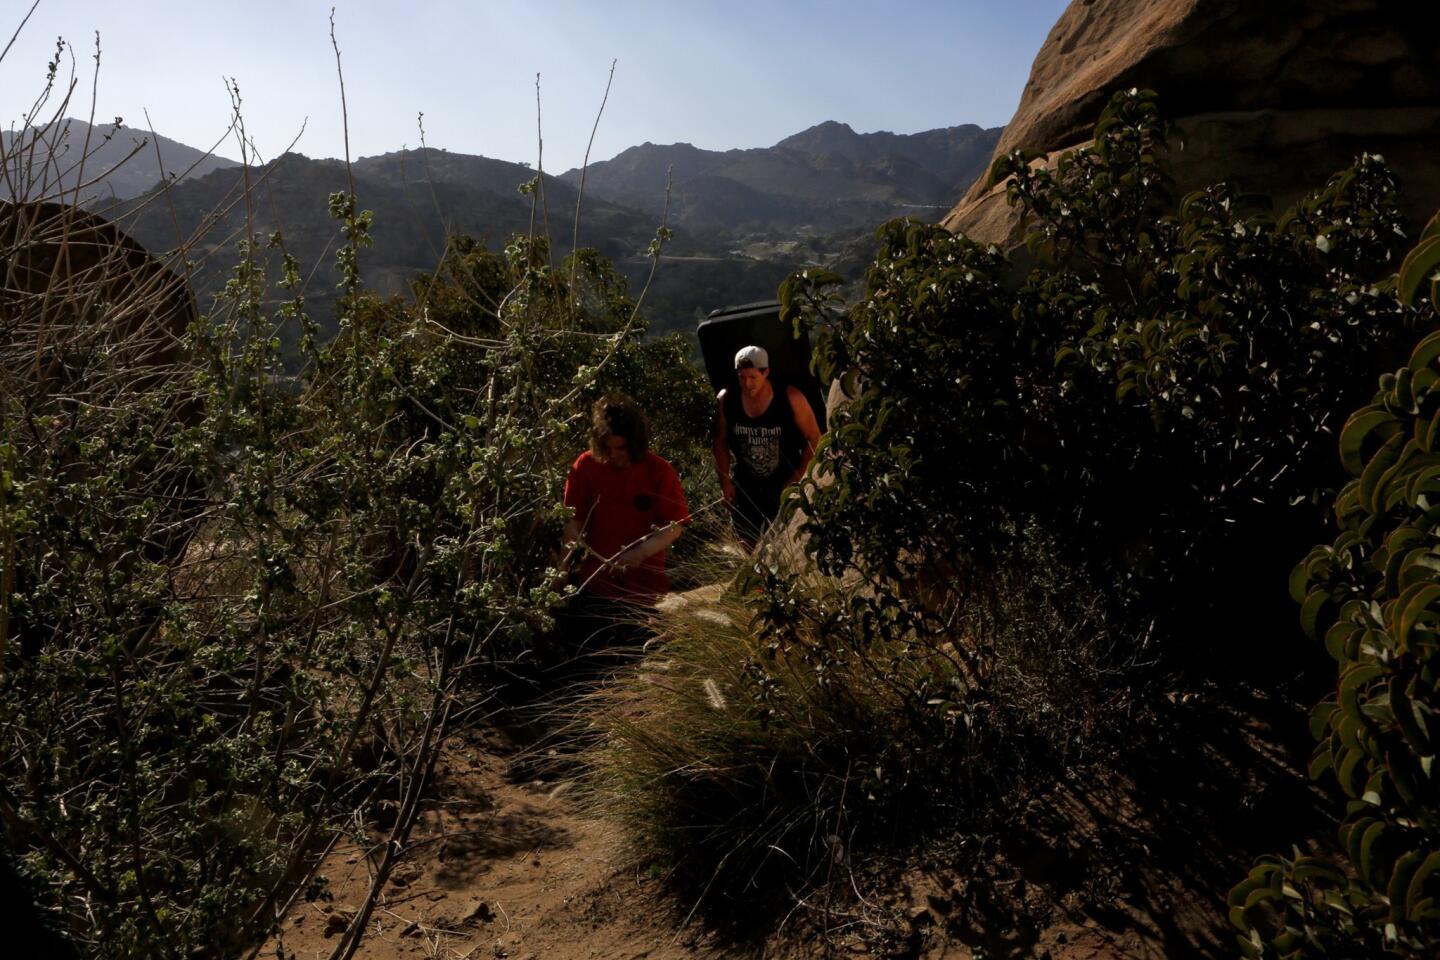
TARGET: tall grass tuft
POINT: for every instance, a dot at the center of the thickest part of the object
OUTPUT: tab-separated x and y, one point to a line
751	752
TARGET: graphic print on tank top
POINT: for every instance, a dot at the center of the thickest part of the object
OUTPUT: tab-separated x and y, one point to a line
759	448
766	446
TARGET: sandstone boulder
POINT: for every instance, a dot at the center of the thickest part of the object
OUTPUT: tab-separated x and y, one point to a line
84	309
91	338
1273	96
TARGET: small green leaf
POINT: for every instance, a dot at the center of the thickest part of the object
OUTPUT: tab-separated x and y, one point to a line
1411	726
1415	890
1413	605
1352	436
1351	685
1404	871
1345	771
1310	612
1418	267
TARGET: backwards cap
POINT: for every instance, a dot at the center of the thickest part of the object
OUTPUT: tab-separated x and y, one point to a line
752	356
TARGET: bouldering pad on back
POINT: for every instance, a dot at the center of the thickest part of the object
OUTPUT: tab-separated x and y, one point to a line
725	331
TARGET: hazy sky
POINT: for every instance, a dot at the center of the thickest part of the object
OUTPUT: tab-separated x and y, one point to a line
715	74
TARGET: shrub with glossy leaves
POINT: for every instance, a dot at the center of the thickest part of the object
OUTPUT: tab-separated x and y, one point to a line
1154	390
1373	598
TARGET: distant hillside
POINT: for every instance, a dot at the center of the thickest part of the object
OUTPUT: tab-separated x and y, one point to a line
744	218
470	195
822	180
122	162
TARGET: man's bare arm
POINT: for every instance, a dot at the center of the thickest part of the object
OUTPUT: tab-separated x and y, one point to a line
809	429
720	447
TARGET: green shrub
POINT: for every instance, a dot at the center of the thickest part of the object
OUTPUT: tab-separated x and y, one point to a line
1373	597
1155	390
194	725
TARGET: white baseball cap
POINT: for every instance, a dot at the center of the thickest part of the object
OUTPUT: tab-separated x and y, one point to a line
752	356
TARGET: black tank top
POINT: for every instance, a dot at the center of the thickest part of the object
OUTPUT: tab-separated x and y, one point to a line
766	447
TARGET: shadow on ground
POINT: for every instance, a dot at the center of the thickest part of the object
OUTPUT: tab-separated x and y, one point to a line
1134	858
512	833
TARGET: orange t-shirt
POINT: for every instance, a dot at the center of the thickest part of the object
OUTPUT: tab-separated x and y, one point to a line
616	508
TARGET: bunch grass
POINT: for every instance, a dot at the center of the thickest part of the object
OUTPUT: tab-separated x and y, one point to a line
756	750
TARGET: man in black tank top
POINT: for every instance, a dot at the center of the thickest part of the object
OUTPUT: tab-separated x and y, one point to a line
765	437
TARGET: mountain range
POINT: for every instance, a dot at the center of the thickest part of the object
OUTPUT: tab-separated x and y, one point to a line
120	162
743	219
822	180
417	198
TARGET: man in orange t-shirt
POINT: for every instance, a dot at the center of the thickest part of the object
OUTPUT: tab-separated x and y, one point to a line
628	509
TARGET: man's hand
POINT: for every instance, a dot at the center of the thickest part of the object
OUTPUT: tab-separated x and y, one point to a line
727	491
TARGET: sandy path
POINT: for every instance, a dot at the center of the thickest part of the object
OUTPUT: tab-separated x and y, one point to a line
1103	865
497	869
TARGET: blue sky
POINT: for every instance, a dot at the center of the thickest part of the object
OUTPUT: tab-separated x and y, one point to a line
715	74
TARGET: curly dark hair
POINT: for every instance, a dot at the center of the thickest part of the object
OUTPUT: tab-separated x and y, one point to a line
615	414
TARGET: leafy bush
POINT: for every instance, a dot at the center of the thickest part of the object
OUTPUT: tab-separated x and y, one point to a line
1373	596
250	600
1155	389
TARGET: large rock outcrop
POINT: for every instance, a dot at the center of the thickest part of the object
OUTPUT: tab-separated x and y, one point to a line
84	309
92	344
1272	96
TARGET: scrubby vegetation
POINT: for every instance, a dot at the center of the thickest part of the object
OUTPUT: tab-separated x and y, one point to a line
243	609
1056	480
1156	389
798	721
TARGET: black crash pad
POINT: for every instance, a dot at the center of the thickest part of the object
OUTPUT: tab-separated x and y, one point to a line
726	330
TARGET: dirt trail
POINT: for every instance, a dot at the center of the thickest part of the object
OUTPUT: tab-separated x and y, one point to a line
1103	865
497	869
